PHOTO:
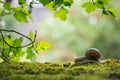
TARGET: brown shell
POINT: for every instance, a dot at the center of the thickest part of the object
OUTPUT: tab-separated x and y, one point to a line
93	54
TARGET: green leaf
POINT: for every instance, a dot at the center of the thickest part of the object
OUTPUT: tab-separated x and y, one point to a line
68	2
112	11
18	42
61	13
105	2
20	16
100	2
6	52
21	2
31	35
50	6
16	57
7	6
16	9
58	2
16	51
26	12
89	6
44	2
42	46
6	46
30	53
10	42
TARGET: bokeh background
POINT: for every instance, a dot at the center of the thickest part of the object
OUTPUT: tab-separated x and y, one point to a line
71	38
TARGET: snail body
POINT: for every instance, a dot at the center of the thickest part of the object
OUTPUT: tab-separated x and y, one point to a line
81	59
92	54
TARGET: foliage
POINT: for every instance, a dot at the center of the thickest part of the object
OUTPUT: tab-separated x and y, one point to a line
110	70
59	7
101	4
11	49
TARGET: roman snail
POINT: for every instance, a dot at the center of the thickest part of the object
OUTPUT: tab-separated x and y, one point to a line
91	54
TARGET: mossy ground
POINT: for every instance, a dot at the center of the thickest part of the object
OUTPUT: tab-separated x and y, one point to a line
110	70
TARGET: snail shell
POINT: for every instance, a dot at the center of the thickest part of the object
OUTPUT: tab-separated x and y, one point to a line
93	54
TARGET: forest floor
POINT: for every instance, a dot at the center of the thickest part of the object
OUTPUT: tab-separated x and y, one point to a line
109	70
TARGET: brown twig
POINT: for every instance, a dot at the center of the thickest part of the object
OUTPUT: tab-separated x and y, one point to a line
31	43
6	59
34	41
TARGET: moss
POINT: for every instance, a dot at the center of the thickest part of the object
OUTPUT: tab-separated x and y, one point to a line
5	72
109	70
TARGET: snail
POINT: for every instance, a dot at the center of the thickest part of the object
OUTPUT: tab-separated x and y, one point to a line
91	54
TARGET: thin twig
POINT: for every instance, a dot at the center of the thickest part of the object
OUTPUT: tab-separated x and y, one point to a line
34	41
19	34
4	39
15	32
11	46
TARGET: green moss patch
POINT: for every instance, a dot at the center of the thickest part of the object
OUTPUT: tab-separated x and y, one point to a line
109	70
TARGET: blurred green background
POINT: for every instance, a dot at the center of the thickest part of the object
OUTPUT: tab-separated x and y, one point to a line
71	38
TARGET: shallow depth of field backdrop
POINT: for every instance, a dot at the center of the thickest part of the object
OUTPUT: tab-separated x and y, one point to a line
72	37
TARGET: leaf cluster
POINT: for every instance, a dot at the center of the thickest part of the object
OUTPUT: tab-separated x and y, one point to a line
100	4
22	12
13	49
60	7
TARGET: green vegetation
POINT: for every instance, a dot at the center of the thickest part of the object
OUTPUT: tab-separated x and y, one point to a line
100	4
22	12
11	49
109	70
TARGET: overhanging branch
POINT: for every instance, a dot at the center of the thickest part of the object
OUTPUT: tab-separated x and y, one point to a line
31	43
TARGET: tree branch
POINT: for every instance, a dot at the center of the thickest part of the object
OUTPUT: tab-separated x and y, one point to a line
31	43
7	58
